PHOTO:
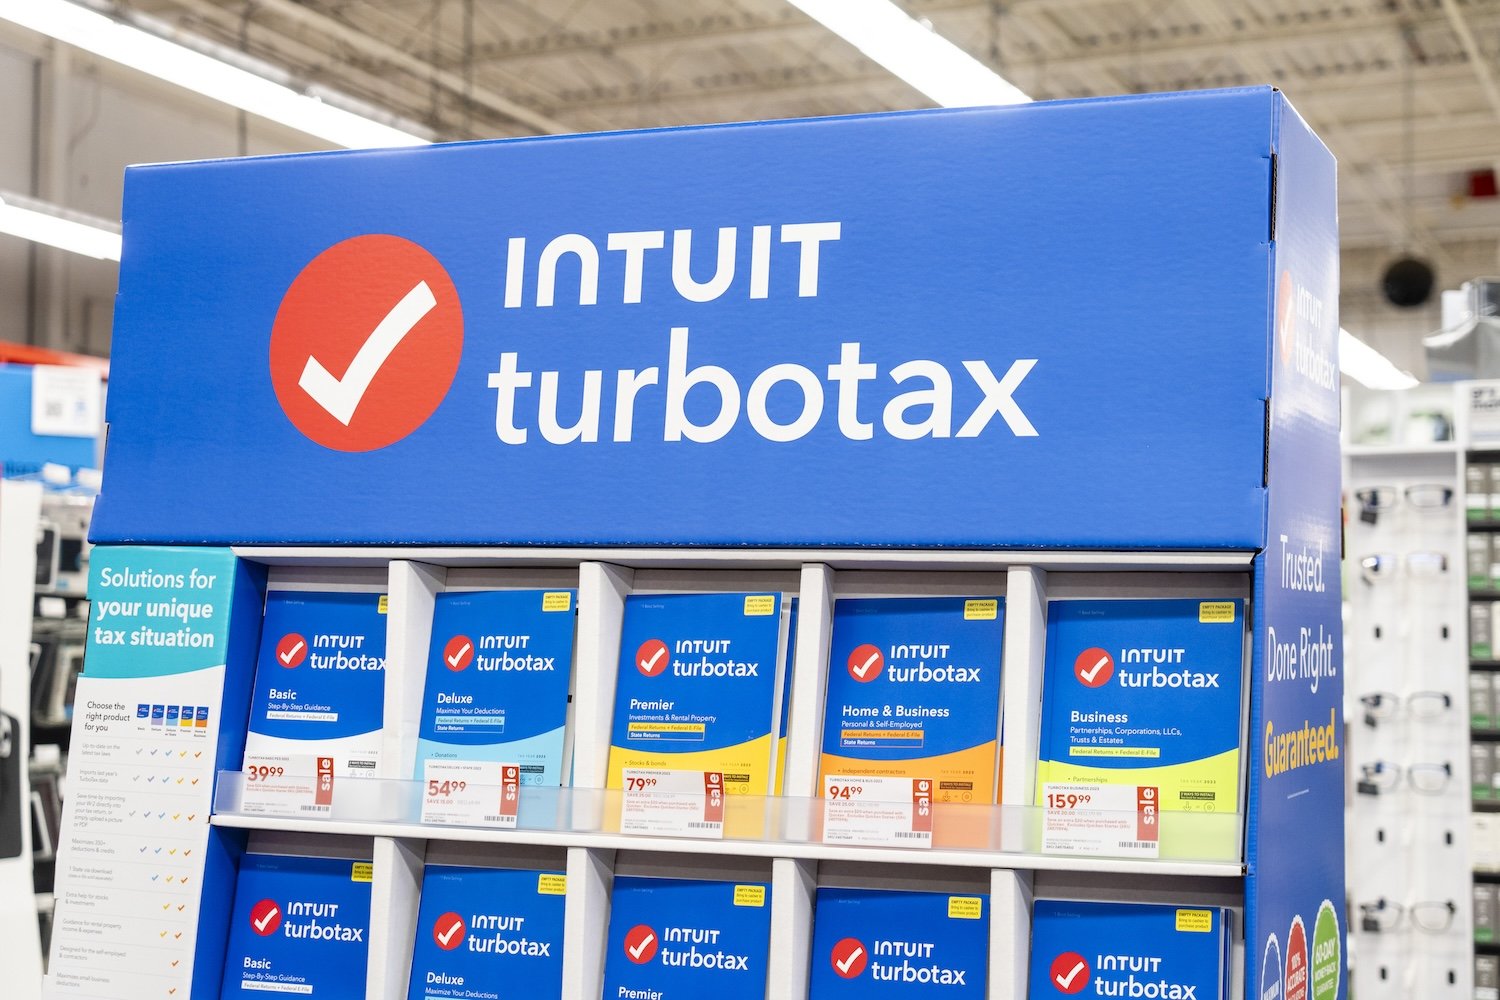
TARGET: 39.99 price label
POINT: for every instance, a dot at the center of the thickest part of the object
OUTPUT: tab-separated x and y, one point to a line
1121	821
669	803
471	793
877	812
292	785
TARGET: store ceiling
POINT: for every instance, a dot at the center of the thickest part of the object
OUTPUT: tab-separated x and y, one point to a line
1359	70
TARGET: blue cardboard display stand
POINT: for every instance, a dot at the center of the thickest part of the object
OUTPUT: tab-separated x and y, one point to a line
1097	325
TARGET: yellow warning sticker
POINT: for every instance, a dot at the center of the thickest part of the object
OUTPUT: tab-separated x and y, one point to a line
1216	612
548	884
1198	921
749	895
557	600
384	605
981	611
362	871
759	605
965	907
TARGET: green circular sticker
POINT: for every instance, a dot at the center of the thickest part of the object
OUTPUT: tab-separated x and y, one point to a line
1327	959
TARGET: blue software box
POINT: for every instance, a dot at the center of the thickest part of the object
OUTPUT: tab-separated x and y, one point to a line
497	680
684	939
489	934
299	925
1128	950
886	945
1059	332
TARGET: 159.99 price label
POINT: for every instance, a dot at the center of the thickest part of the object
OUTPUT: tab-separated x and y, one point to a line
1121	821
471	793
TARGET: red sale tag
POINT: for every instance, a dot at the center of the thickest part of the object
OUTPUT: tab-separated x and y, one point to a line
713	797
921	805
324	794
510	789
1145	813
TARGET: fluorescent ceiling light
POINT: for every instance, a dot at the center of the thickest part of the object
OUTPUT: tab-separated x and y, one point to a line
1369	367
43	223
177	64
913	51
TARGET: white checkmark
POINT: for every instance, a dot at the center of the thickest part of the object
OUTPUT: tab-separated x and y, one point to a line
443	939
341	396
649	666
1065	981
291	654
849	960
640	949
456	657
864	667
260	924
1092	672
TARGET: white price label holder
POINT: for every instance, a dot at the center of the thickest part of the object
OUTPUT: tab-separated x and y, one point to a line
673	803
877	812
471	793
294	785
1101	820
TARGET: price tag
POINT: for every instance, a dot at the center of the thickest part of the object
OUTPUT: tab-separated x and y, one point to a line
1119	821
673	803
877	812
471	793
300	785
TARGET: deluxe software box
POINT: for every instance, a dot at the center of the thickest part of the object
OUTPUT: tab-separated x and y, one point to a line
698	685
684	939
1128	950
300	926
879	944
320	679
497	680
489	934
1145	692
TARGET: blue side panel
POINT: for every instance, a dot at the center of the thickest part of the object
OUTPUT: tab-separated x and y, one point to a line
1027	326
1296	807
21	451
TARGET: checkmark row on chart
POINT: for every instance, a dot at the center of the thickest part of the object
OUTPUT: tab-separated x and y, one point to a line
459	654
850	959
342	396
640	949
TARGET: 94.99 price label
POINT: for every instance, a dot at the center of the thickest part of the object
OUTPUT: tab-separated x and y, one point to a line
877	812
471	793
1121	821
290	785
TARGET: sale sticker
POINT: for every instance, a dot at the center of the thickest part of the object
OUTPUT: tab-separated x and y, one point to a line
877	812
471	793
673	803
1110	820
287	785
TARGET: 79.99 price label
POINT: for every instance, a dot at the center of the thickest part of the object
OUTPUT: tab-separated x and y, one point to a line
877	812
471	793
668	803
1120	821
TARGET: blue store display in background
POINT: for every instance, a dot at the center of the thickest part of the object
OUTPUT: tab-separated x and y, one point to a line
1102	325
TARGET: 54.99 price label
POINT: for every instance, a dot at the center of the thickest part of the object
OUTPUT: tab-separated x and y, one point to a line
877	812
471	793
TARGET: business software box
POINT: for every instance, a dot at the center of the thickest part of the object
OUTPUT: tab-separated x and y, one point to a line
1129	950
489	934
498	672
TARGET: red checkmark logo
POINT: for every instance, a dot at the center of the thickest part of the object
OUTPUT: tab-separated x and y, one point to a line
265	917
1094	667
1286	316
459	653
291	650
640	944
449	931
366	343
866	663
1069	972
849	958
651	659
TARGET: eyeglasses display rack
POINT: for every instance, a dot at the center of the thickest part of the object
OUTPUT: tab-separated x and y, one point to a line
749	360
